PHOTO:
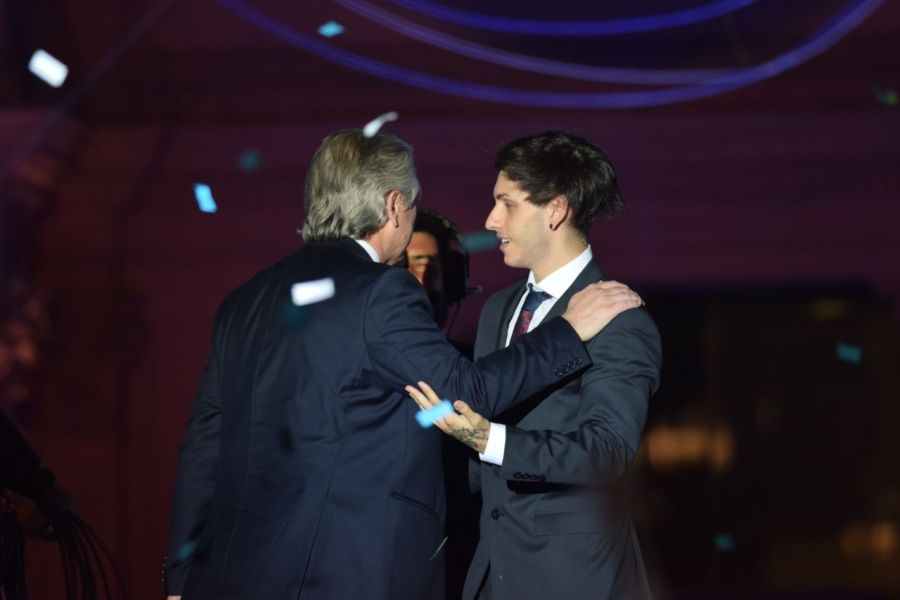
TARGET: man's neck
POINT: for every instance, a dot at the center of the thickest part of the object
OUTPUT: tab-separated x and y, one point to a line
559	258
373	247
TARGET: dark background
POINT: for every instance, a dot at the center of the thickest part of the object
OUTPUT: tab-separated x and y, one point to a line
760	227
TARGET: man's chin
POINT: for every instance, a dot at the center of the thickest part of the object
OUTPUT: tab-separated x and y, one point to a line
510	261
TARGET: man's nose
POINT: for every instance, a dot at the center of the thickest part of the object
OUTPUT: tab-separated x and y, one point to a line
491	221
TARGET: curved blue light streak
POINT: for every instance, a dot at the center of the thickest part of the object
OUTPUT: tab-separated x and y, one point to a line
824	38
679	18
527	63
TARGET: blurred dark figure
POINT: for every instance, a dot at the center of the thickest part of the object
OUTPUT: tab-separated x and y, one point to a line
24	334
32	505
436	258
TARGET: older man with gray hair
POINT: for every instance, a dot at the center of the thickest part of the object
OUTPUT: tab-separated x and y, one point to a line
304	473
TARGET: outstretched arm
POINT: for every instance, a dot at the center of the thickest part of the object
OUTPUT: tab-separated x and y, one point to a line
406	346
611	401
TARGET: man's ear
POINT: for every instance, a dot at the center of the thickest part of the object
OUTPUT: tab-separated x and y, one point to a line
393	206
557	211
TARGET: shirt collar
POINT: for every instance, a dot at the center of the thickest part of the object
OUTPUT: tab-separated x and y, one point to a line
557	282
373	254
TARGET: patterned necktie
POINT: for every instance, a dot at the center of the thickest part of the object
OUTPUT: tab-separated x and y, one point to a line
534	299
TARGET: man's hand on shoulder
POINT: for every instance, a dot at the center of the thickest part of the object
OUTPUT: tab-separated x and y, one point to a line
591	309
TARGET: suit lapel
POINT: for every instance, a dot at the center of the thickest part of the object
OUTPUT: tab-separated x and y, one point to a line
509	307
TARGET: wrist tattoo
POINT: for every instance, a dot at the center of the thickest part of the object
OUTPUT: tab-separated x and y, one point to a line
471	436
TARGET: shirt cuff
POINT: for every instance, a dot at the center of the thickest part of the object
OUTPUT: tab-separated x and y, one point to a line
496	445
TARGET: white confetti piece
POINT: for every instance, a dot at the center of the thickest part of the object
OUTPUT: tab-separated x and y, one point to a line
373	126
310	292
48	68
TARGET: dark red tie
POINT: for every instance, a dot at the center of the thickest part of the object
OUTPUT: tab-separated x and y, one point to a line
534	299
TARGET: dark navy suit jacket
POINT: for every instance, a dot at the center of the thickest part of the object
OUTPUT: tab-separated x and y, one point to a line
552	523
304	473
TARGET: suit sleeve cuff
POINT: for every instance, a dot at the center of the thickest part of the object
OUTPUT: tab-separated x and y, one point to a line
496	445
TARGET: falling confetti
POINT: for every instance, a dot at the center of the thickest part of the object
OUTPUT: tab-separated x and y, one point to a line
849	353
480	241
48	68
310	292
439	548
205	198
249	160
294	317
427	417
886	97
724	542
186	551
375	124
331	29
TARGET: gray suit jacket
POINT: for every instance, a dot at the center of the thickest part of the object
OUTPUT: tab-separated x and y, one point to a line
552	523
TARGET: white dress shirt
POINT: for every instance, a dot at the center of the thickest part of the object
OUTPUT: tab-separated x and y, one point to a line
369	249
555	284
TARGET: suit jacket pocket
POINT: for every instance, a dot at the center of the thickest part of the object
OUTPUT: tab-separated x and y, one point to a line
416	568
413	502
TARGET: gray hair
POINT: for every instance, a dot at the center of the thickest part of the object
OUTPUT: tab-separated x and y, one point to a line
348	180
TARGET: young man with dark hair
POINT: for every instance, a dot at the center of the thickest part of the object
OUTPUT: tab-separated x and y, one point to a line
552	523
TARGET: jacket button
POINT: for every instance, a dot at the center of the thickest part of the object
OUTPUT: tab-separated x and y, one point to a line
542	478
558	372
495	514
578	361
517	476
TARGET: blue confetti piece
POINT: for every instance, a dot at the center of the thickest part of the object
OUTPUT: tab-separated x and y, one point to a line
724	542
849	353
427	417
249	160
885	97
186	550
205	198
331	29
293	316
480	241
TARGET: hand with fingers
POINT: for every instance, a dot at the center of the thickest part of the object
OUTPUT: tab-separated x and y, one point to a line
465	425
591	309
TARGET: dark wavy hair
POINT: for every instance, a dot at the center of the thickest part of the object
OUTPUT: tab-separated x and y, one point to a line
558	163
